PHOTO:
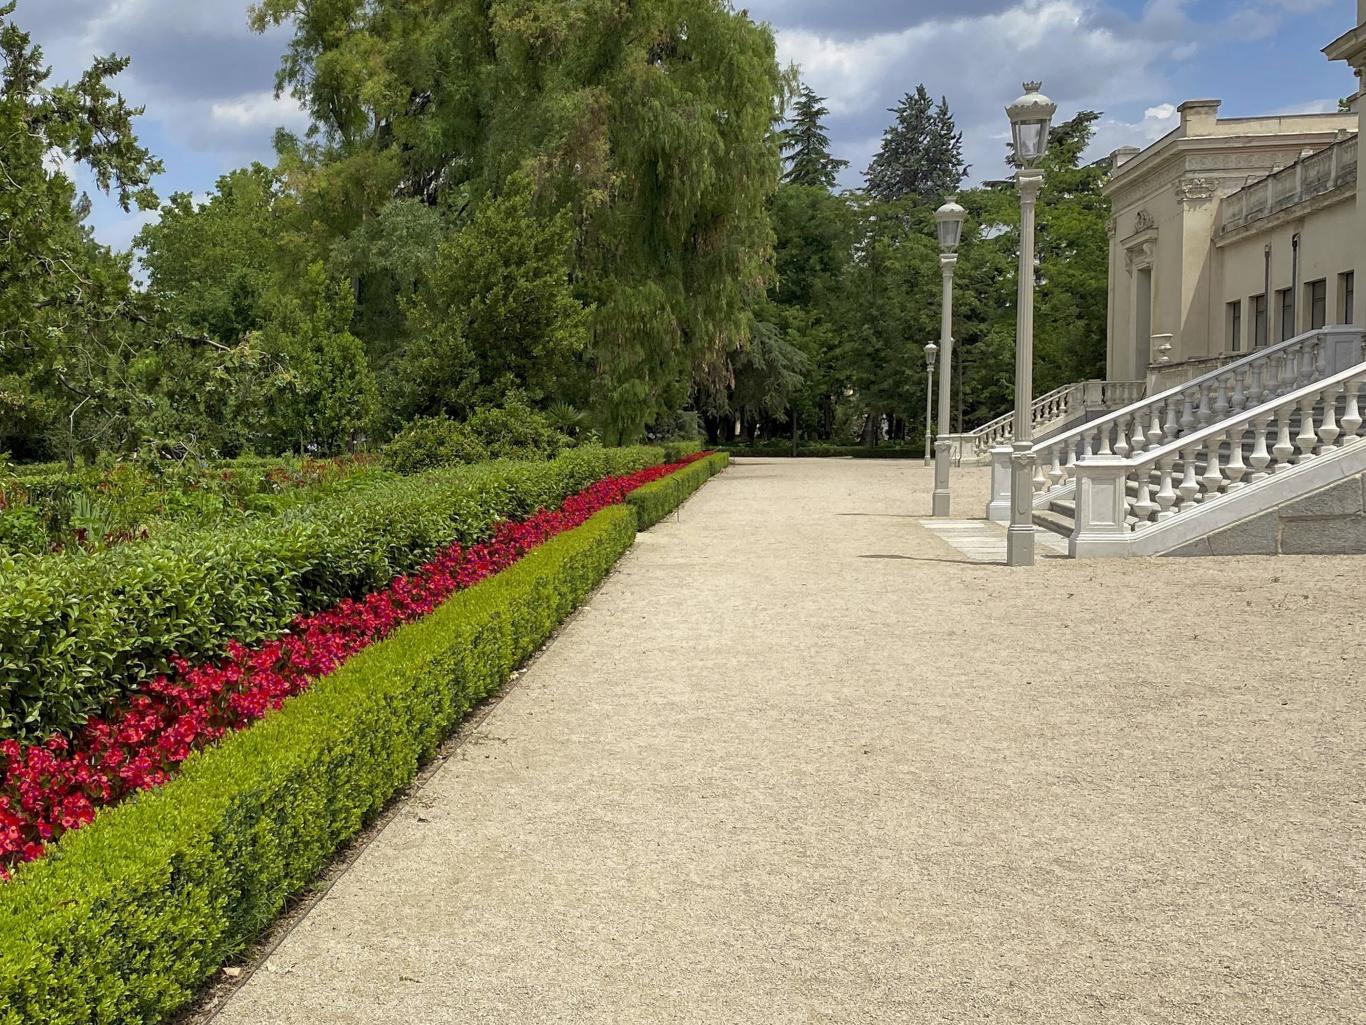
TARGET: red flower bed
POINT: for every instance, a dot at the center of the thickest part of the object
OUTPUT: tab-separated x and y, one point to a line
49	788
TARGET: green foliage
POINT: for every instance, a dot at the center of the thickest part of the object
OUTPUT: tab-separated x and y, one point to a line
429	442
67	335
212	266
78	629
655	501
325	396
516	431
498	311
644	130
921	154
806	144
127	917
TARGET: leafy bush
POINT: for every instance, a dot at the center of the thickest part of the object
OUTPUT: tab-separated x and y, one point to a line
430	442
655	501
127	917
516	431
78	629
822	450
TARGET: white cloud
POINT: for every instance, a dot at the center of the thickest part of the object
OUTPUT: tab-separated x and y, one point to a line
1084	63
263	110
1112	133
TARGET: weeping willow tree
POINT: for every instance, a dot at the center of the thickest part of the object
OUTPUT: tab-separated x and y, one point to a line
648	122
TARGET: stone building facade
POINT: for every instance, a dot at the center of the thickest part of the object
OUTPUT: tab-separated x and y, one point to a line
1229	234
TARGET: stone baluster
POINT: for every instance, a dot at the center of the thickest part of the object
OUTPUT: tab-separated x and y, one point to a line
1205	413
1306	440
1256	392
1122	437
1069	467
1283	449
1260	458
1188	420
1220	389
1166	494
1171	427
1328	429
1351	416
1155	432
1144	507
1213	478
1040	477
1139	440
1055	471
1289	371
1190	484
1236	469
1239	401
1104	448
1087	445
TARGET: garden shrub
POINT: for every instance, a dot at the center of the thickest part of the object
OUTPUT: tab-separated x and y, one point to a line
433	441
516	431
78	629
126	918
655	501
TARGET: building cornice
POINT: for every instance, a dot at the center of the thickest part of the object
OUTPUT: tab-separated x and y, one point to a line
1349	47
1300	210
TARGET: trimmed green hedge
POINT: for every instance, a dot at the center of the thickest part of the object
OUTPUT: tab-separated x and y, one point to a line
78	629
126	918
655	501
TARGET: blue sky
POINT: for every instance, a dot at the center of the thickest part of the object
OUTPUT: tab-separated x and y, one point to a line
207	81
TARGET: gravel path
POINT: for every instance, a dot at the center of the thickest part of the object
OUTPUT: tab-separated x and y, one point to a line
800	761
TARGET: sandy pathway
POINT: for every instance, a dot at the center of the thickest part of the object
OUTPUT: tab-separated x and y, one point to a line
800	761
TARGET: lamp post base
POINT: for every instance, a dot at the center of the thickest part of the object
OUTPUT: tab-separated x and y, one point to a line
1020	535
943	457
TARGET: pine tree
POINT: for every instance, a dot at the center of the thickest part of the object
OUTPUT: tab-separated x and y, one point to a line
806	145
922	152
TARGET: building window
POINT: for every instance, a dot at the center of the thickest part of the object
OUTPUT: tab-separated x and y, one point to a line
1235	326
1285	313
1347	289
1258	320
1316	302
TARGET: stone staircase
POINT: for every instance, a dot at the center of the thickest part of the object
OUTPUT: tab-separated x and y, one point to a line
1053	412
1233	454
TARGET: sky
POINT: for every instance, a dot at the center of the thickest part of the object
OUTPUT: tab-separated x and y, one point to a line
207	81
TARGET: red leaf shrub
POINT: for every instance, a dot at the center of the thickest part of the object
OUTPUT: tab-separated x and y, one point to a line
49	788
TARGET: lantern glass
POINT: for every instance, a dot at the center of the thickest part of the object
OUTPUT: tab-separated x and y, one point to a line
950	231
1031	141
931	354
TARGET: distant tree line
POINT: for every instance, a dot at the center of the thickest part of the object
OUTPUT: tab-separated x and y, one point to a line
628	214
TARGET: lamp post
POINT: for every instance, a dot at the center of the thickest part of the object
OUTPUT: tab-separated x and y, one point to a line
931	353
949	220
1030	119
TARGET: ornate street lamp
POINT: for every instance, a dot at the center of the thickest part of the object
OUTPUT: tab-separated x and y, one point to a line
931	354
949	220
1031	117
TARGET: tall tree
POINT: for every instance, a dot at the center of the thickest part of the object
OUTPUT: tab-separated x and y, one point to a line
211	265
65	302
648	123
806	144
921	154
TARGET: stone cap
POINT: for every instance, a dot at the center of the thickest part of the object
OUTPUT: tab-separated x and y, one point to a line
1198	116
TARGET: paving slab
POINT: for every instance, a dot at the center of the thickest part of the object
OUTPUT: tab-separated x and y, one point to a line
803	761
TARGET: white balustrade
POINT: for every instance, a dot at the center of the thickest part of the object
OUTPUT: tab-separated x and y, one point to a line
1154	422
1117	498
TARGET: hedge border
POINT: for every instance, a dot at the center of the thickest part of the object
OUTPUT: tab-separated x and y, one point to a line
655	501
125	919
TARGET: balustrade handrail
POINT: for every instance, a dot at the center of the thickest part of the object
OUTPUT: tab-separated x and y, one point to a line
1041	402
1270	410
1128	411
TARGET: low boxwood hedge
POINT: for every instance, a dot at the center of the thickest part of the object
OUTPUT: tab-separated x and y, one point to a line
821	450
78	629
655	501
126	918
